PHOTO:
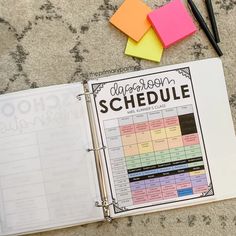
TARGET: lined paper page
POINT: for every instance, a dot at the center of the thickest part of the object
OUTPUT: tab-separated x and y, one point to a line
47	178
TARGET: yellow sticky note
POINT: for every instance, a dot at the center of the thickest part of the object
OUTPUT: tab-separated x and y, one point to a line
149	47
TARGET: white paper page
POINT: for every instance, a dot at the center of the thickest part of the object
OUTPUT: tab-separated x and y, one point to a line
169	136
47	177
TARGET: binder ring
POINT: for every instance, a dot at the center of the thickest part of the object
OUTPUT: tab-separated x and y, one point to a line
96	149
83	94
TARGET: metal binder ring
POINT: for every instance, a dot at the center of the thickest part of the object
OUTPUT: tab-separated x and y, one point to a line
82	94
96	149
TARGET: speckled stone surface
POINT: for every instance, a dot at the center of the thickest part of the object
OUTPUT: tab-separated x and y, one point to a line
46	42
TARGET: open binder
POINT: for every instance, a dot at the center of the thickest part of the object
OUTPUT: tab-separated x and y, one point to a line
118	146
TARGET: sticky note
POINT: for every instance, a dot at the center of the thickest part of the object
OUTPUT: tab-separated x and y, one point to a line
172	22
131	19
149	47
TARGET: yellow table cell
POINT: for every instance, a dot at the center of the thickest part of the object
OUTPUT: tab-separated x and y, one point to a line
131	150
129	139
198	172
143	137
145	147
173	131
160	144
158	134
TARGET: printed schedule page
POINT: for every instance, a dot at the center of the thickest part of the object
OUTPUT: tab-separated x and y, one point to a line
47	178
156	155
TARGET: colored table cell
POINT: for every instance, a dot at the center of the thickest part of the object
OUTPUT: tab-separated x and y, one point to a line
139	185
145	147
147	157
148	163
171	121
115	131
169	180
158	134
183	185
156	190
185	192
156	124
200	189
173	131
129	139
193	164
164	153
175	142
177	149
176	155
185	177
114	141
163	160
152	183
143	137
192	147
191	139
127	129
155	197
180	167
131	150
141	127
199	182
140	200
198	172
169	194
160	144
139	193
131	166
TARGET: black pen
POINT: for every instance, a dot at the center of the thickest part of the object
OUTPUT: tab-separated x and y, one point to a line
204	26
213	20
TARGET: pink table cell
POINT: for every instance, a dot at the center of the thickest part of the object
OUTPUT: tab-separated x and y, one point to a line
156	190
155	197
167	188
200	189
190	139
140	200
170	194
127	129
171	121
141	127
156	124
137	193
175	142
183	185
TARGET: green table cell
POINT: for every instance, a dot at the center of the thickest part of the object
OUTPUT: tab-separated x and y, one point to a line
192	147
193	152
164	160
177	154
133	166
162	152
178	158
194	164
133	161
132	158
193	155
178	149
148	159
149	163
147	155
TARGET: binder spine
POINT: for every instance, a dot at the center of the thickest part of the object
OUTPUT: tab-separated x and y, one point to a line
97	153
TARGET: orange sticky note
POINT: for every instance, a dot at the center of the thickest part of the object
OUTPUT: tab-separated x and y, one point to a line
131	18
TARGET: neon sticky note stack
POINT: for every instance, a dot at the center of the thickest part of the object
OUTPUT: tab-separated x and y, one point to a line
149	47
172	22
131	18
151	31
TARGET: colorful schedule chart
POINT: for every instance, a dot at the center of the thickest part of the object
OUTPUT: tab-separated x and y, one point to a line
156	156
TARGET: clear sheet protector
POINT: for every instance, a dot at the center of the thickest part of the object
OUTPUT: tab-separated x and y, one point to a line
169	136
47	177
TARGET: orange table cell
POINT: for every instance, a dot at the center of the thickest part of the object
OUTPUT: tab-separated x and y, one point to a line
145	147
156	124
143	137
171	121
160	145
191	139
175	142
141	127
129	139
158	134
127	129
131	150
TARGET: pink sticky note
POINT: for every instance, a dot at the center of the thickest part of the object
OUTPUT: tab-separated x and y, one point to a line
172	22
